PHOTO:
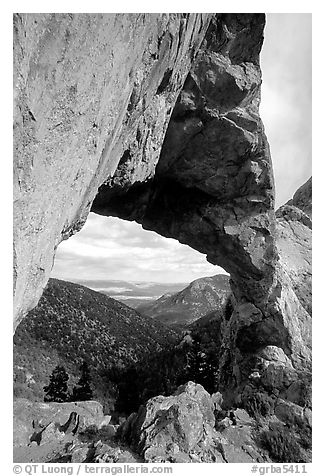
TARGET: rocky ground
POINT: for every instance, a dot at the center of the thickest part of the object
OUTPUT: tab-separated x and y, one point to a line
66	432
190	426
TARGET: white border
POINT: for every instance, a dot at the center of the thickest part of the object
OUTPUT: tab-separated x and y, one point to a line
283	6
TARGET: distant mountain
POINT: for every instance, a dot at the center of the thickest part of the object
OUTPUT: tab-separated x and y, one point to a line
72	323
132	293
197	299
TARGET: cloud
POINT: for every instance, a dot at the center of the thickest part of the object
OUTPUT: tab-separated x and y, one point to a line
286	99
110	248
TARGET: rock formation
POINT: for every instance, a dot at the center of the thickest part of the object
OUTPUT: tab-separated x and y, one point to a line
32	419
294	240
286	328
302	199
181	429
191	426
75	432
154	118
90	91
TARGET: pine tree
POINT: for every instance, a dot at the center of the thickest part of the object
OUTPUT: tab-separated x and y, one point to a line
57	389
82	391
201	365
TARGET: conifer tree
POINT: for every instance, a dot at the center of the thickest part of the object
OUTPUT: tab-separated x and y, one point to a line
57	389
82	391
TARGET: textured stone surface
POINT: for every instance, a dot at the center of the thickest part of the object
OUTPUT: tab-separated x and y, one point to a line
170	422
180	429
294	240
302	199
45	414
91	90
264	343
81	120
289	413
213	185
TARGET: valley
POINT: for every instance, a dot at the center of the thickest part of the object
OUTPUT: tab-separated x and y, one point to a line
133	294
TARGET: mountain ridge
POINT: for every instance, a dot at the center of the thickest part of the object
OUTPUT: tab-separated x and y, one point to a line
72	323
131	293
184	307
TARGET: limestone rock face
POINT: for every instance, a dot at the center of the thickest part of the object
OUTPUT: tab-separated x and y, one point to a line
94	96
269	344
294	240
75	432
47	419
302	199
91	91
180	429
213	184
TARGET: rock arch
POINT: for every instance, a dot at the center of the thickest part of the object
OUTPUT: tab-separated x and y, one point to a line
153	118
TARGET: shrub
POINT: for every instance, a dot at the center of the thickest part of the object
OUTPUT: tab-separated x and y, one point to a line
89	433
229	309
304	433
281	444
57	389
305	437
82	391
259	404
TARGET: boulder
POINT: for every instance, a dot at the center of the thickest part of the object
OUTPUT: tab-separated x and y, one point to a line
242	417
197	393
105	421
49	434
181	429
238	444
273	353
300	391
108	431
277	376
53	419
167	426
217	401
289	412
105	453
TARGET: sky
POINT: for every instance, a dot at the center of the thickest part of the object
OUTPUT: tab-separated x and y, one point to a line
113	249
286	99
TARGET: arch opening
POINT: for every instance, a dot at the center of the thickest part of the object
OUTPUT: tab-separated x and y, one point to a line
128	263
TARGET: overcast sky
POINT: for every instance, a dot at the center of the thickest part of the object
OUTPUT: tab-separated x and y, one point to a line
286	99
109	248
